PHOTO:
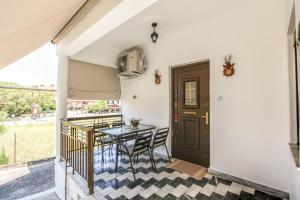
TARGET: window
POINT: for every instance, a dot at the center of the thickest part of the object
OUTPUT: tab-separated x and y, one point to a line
190	93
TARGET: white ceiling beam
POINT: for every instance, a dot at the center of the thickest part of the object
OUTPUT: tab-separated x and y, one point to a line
119	15
74	19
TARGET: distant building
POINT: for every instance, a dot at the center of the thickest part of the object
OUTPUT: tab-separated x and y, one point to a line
79	104
44	87
83	104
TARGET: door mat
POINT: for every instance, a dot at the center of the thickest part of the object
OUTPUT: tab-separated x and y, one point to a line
191	169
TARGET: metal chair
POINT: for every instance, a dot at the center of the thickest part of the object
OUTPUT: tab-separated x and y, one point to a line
140	146
118	124
97	132
102	140
158	140
123	141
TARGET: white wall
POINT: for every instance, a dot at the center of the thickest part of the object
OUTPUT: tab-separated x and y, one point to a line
250	126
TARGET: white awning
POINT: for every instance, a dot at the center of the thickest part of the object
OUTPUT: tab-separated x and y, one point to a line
27	25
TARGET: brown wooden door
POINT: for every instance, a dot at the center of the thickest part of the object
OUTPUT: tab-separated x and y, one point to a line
190	113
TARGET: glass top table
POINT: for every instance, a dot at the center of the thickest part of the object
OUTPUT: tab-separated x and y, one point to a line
124	130
117	132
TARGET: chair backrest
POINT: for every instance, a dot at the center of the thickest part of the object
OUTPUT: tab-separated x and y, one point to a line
142	142
103	125
127	137
118	124
160	137
97	133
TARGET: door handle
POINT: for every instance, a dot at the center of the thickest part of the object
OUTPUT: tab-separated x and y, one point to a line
206	117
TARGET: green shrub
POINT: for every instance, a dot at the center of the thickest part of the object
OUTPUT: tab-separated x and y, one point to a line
3	157
98	106
2	129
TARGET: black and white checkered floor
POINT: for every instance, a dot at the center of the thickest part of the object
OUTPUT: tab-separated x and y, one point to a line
165	184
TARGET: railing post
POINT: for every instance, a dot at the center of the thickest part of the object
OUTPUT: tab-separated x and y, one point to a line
90	177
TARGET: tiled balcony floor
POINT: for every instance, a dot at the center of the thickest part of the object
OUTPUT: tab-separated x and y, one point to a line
166	184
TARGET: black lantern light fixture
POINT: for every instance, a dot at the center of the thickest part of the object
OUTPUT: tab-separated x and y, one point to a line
154	35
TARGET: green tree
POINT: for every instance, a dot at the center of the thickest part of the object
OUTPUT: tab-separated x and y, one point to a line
98	106
47	101
16	102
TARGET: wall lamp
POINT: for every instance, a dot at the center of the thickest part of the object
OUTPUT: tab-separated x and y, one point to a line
154	35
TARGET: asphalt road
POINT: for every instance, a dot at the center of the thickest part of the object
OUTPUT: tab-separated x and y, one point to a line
27	180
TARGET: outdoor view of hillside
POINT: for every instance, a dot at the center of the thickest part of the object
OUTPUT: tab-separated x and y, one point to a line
27	116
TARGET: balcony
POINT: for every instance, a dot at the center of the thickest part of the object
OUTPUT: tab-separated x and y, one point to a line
95	173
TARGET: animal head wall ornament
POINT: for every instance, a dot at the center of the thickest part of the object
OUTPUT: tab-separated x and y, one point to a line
157	77
228	66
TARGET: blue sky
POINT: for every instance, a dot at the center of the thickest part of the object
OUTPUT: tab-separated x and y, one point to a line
38	67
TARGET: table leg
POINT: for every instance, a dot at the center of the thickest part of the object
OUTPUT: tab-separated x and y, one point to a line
117	157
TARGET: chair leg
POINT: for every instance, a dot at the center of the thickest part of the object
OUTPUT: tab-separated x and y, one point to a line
111	153
136	159
102	155
154	164
151	160
132	167
117	157
167	153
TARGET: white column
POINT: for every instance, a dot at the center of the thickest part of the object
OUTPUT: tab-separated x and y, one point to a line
61	97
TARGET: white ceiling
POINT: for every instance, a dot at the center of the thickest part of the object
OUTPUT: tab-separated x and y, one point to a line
28	24
172	15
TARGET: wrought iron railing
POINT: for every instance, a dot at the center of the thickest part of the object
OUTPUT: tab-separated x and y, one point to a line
77	147
77	144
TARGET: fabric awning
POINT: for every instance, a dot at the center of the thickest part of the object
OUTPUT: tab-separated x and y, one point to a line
28	25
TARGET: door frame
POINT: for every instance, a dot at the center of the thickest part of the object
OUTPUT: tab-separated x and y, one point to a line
171	98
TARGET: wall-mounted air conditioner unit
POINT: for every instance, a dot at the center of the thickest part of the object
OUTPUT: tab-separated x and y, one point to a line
132	62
